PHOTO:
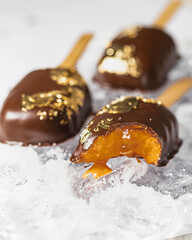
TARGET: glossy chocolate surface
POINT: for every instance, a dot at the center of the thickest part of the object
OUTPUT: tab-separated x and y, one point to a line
152	56
47	106
142	111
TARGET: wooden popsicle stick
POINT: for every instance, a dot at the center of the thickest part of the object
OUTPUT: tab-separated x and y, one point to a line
175	92
167	13
76	52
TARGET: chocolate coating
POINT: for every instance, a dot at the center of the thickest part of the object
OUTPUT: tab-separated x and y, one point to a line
37	110
154	54
142	111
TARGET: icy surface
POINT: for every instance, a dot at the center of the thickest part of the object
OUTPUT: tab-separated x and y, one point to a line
37	202
42	196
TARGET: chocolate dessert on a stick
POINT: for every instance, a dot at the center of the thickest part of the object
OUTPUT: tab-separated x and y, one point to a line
48	105
135	127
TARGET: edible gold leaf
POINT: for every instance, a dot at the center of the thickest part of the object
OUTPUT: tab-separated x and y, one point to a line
125	104
86	133
103	123
121	60
131	32
63	102
67	77
120	105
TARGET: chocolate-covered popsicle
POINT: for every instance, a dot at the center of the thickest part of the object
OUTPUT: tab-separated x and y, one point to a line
137	58
48	105
129	126
140	57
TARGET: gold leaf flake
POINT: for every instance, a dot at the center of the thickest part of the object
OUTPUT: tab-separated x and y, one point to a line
130	32
67	77
63	102
148	100
86	133
103	123
120	105
125	104
121	61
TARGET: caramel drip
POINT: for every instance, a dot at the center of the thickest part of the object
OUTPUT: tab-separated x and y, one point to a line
132	141
97	170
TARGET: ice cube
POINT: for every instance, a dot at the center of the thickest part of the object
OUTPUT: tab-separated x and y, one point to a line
174	179
124	170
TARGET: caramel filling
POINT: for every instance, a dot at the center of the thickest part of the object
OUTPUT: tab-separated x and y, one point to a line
130	140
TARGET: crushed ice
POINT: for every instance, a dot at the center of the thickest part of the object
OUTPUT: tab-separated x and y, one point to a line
42	196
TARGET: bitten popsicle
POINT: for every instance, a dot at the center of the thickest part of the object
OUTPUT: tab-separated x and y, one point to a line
139	57
135	127
48	105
